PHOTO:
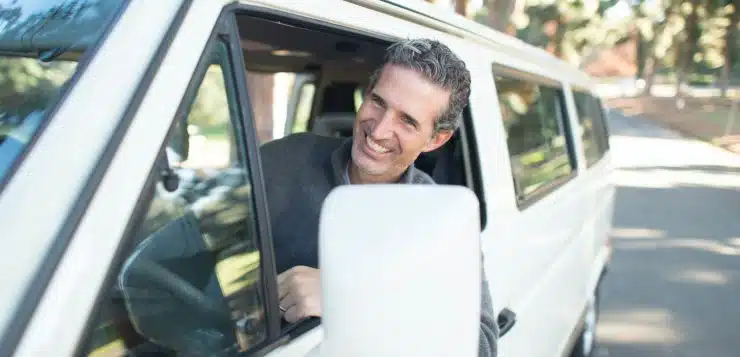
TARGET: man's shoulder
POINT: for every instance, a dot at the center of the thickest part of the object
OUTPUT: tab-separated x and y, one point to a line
299	146
420	177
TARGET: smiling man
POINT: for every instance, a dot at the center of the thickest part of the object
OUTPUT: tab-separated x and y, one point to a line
412	105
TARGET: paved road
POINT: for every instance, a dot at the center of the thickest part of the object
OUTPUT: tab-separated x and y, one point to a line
674	286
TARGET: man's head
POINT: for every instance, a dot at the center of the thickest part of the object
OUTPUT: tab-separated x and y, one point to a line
412	105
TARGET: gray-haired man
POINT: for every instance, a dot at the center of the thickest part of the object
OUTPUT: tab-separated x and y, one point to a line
412	105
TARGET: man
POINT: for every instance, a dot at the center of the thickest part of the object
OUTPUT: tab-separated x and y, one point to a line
412	105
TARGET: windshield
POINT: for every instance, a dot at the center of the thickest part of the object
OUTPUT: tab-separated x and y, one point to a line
41	42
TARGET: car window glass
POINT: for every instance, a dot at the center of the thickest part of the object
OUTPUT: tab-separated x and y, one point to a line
532	117
190	282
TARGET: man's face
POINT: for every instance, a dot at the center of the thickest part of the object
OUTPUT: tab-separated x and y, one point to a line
395	123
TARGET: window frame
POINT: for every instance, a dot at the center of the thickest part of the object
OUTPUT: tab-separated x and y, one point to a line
562	120
471	162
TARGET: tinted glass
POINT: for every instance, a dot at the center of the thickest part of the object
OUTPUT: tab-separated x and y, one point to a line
532	116
589	131
593	129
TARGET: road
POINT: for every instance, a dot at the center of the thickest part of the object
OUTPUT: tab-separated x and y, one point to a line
674	285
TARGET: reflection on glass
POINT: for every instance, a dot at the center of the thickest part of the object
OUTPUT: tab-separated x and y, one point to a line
531	114
40	42
590	118
27	87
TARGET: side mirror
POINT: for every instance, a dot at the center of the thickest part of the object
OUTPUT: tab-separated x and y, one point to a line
400	271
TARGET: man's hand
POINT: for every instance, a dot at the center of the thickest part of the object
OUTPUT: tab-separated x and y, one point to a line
299	289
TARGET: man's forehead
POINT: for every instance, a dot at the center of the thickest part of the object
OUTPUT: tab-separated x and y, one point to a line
409	90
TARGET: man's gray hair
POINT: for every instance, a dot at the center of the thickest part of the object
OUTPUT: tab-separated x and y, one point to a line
441	66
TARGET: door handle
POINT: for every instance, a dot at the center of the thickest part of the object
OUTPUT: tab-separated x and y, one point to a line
505	320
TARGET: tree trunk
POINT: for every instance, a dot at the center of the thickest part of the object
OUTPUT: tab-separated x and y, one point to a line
686	47
559	37
500	12
461	7
648	73
729	50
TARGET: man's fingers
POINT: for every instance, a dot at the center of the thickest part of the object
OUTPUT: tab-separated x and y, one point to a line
291	308
293	314
288	301
283	280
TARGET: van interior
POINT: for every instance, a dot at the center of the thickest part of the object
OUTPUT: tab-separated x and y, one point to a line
338	65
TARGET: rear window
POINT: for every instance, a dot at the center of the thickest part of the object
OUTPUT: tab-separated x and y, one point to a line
41	43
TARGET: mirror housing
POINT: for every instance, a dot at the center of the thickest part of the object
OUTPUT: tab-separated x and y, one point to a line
400	271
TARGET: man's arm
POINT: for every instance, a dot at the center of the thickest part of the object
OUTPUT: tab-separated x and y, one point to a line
488	342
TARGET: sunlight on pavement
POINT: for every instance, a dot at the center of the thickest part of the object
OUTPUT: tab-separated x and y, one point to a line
700	276
673	177
705	245
639	326
620	233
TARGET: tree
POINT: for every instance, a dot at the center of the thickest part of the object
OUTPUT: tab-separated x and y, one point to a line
500	13
730	48
461	7
687	40
658	25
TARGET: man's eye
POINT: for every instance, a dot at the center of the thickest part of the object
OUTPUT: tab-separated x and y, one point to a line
410	122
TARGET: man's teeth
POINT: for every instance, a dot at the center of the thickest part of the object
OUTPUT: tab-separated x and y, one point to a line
377	148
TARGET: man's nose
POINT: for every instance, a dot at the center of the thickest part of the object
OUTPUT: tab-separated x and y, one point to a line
384	127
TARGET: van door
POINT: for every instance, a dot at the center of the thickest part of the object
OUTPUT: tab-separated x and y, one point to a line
530	245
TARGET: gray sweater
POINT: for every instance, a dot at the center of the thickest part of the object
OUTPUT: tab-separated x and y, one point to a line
299	171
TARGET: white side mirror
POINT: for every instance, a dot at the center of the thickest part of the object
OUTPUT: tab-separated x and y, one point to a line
400	271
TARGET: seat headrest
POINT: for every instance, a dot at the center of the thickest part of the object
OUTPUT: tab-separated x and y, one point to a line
334	124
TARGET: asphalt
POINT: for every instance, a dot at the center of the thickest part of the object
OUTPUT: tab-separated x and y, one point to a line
673	288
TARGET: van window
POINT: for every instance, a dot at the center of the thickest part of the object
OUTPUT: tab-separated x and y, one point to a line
593	130
532	116
191	278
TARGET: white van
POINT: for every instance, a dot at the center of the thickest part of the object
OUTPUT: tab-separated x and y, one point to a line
125	123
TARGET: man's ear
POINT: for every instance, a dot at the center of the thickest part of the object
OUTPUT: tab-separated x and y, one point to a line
439	139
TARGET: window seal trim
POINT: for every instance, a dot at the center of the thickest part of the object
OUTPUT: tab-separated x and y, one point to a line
267	255
471	162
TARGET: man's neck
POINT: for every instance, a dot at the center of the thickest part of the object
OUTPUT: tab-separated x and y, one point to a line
356	177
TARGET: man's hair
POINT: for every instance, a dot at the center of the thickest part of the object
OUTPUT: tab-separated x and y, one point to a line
441	66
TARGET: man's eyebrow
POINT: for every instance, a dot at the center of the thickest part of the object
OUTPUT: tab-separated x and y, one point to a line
413	121
378	98
382	101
